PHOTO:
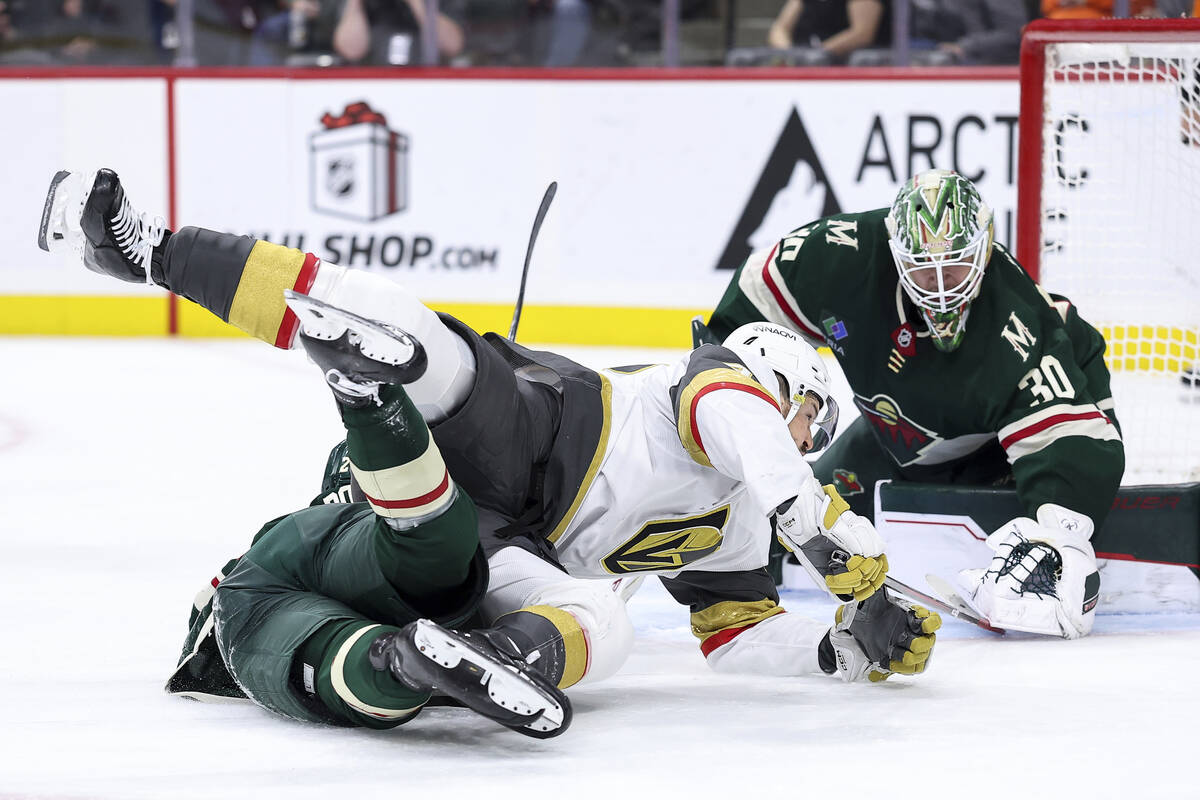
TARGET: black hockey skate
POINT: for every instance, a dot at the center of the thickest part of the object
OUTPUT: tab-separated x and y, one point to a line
476	672
90	215
357	354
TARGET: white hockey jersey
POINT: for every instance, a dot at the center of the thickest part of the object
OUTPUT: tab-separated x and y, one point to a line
694	458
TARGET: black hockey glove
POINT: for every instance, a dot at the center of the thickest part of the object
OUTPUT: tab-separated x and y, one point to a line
878	637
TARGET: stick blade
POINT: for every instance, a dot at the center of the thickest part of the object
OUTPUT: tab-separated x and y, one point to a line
958	611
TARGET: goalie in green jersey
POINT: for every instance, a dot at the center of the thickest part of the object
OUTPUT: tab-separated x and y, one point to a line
964	371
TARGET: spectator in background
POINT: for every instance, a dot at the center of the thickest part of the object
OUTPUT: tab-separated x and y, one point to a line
1178	8
8	28
563	33
221	29
562	28
389	31
75	32
836	27
971	31
355	31
1093	9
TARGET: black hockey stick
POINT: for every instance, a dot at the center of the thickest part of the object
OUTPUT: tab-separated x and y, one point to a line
956	611
537	226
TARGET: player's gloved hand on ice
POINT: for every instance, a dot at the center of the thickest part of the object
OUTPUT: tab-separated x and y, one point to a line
1043	577
838	548
878	637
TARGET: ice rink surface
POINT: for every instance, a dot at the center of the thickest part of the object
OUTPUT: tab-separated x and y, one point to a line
132	469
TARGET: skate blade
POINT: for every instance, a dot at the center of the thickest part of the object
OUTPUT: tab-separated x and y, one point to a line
320	320
51	237
507	687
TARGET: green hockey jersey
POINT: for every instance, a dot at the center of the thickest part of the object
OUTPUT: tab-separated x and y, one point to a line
1029	377
315	568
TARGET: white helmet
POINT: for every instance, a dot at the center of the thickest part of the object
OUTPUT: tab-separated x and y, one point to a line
770	351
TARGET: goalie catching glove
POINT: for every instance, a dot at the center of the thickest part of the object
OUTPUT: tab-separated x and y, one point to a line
838	548
878	637
1043	578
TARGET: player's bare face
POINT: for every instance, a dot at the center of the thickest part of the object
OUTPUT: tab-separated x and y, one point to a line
953	276
801	425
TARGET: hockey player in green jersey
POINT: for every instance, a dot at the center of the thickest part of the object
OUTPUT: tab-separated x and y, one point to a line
345	613
577	476
964	371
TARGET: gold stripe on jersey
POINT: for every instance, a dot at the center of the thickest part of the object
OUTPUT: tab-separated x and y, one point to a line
731	614
258	306
597	459
575	648
704	382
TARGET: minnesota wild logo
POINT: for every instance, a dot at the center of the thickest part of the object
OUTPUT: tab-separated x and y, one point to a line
905	440
847	482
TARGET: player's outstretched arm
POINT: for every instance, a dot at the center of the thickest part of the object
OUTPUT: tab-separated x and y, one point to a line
839	549
870	639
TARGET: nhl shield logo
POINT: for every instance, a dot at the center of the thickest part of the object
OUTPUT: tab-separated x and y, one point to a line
358	165
339	176
905	341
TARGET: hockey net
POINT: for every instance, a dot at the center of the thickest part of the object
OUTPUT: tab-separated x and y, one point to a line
1109	214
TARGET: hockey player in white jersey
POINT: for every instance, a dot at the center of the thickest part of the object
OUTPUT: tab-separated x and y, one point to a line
684	470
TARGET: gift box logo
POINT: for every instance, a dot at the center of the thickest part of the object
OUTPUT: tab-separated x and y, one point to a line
358	166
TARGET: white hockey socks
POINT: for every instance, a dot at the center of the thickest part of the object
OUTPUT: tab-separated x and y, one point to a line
450	375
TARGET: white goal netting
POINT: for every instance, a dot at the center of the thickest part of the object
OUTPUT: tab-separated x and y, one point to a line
1121	232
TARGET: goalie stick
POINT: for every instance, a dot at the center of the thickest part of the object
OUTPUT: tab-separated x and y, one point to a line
948	606
537	226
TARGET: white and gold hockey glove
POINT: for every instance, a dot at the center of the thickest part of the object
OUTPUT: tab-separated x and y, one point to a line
838	548
880	637
1043	577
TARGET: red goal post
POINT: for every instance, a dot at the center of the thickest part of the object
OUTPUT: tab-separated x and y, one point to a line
1108	213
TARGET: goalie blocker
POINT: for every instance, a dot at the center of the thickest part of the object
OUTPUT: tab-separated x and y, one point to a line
1042	576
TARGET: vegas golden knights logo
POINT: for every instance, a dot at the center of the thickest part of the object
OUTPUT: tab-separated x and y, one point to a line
669	544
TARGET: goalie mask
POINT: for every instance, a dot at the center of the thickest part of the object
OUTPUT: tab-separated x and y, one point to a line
787	365
940	234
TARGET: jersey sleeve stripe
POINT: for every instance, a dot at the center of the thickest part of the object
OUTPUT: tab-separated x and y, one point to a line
787	304
703	384
763	285
1040	430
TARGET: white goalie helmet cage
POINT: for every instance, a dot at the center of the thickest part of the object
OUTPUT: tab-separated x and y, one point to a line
771	350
